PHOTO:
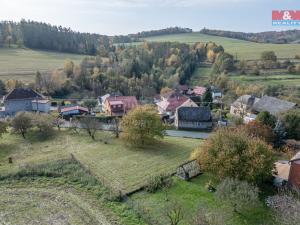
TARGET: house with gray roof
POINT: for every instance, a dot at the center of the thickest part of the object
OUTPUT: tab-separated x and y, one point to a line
193	118
25	99
272	105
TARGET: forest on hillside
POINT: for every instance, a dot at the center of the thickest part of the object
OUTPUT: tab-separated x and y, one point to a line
275	37
37	35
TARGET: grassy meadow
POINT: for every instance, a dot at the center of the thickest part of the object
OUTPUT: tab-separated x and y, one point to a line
190	196
22	64
122	168
238	48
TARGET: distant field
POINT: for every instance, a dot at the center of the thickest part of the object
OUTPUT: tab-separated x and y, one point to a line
201	77
22	64
241	49
285	79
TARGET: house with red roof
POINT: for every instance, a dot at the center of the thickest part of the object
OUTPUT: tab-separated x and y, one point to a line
169	106
73	110
199	91
119	105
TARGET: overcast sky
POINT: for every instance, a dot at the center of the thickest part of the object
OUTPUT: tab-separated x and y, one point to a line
131	16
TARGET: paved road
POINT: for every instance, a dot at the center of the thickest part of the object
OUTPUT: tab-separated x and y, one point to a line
172	133
188	134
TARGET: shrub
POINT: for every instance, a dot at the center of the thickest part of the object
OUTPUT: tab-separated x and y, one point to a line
44	123
3	128
291	122
158	183
205	216
238	194
266	118
286	205
234	153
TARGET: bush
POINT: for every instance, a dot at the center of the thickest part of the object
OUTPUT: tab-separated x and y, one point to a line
259	130
234	153
3	128
286	205
239	194
158	183
44	123
266	118
268	55
291	122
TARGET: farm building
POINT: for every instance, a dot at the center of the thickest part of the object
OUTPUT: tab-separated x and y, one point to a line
119	105
194	118
24	99
272	105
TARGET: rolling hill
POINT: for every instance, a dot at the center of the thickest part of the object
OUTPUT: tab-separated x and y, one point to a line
22	64
239	48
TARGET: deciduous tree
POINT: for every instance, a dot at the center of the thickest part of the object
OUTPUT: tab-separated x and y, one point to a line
22	122
234	153
142	125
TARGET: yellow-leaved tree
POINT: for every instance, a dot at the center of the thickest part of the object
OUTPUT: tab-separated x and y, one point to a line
142	125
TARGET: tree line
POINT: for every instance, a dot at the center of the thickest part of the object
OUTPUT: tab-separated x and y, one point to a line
38	35
276	37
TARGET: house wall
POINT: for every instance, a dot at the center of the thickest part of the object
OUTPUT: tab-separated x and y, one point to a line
41	107
294	176
193	125
14	106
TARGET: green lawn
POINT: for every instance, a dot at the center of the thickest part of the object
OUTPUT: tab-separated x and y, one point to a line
241	49
189	196
200	76
22	64
121	167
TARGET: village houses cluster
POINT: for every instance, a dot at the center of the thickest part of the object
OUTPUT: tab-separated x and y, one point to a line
182	107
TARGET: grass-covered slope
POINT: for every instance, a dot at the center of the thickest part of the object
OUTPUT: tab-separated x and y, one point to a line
22	64
241	49
122	168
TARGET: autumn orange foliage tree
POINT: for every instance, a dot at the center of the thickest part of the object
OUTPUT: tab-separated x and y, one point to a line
236	154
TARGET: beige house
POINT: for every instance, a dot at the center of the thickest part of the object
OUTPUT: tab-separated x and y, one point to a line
242	106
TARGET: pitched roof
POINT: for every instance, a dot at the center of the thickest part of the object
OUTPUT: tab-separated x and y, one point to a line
129	102
194	114
171	94
272	105
199	90
248	100
23	93
171	104
71	108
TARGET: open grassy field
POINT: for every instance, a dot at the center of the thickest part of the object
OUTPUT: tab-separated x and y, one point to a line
59	192
285	79
189	196
241	49
22	64
202	74
121	167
